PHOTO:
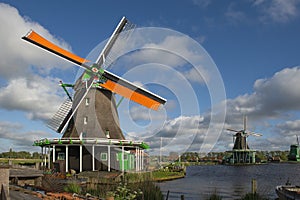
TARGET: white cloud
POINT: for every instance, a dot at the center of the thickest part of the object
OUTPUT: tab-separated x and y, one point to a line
25	69
16	55
140	113
289	128
195	76
183	46
37	96
271	96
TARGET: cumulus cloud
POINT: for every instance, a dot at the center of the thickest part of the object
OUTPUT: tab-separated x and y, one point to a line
139	113
177	134
289	128
36	96
27	82
271	96
17	56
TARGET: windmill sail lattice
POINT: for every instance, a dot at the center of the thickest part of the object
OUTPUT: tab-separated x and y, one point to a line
57	121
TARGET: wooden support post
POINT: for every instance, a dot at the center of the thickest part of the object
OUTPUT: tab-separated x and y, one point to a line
123	166
108	157
80	158
142	163
253	186
67	158
53	154
93	157
136	159
139	160
42	163
49	158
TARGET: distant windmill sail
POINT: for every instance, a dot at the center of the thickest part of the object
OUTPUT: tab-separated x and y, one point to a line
111	81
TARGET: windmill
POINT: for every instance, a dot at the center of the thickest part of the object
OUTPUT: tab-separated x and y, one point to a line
241	151
97	86
294	154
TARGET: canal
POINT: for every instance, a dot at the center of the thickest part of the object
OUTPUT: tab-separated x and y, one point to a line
231	182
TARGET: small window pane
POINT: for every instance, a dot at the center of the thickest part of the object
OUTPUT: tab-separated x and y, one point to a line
61	156
107	134
87	101
103	156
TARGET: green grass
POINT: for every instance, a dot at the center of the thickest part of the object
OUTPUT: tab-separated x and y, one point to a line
73	187
165	175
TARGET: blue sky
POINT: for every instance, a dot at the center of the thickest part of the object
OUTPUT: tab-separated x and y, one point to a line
254	44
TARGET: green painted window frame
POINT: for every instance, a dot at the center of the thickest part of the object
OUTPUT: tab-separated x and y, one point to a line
103	156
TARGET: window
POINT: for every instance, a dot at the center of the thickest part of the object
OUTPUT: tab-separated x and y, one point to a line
85	120
61	156
87	101
107	134
103	156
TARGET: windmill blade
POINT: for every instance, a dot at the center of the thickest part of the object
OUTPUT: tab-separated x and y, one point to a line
38	40
57	121
129	90
245	122
254	134
101	58
228	129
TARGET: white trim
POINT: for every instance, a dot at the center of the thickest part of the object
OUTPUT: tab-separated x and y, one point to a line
93	158
80	158
108	164
53	154
67	158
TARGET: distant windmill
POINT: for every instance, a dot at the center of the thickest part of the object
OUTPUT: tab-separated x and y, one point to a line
240	148
241	136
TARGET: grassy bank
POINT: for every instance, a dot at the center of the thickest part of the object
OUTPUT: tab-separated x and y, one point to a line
166	175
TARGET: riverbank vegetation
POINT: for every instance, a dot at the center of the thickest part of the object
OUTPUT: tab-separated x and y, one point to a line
145	190
248	196
218	157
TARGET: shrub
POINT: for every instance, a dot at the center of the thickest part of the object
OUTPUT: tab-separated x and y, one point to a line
73	187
